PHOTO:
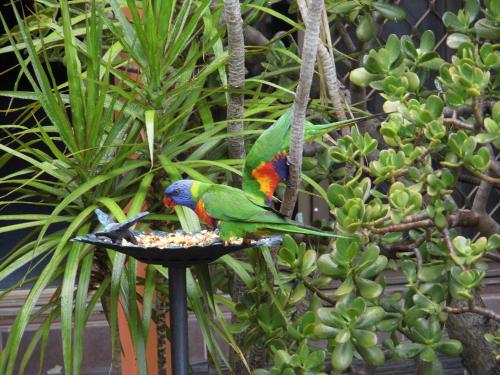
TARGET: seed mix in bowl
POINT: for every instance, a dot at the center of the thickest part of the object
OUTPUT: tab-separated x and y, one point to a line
181	239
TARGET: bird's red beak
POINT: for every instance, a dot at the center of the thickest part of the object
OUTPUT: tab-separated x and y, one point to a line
168	202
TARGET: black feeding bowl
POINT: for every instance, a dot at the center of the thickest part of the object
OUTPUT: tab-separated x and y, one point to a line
111	237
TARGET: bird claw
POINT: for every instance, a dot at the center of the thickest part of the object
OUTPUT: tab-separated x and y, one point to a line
247	241
288	161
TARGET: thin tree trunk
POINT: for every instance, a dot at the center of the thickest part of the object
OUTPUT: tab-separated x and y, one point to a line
487	225
332	82
309	52
330	73
236	144
236	77
469	329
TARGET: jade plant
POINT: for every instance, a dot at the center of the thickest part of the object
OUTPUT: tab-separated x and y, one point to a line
393	195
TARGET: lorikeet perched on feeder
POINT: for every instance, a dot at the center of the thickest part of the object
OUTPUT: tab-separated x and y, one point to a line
235	212
266	163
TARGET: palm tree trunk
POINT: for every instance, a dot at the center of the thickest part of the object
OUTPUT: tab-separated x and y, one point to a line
309	52
236	77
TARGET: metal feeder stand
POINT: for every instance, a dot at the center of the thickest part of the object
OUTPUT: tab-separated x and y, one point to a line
177	259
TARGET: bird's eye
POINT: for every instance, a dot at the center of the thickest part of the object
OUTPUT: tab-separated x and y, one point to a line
176	192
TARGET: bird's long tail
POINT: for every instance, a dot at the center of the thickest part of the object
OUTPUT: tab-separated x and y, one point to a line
295	227
320	129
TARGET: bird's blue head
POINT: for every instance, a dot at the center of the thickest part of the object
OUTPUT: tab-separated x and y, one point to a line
179	193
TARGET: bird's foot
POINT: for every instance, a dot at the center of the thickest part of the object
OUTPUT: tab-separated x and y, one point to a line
248	241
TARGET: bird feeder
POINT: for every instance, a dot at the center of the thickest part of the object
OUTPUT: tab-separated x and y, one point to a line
121	238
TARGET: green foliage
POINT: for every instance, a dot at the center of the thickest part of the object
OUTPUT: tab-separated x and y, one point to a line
109	139
463	27
404	194
302	362
114	141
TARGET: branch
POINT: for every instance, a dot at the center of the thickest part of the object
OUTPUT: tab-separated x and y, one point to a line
419	258
450	247
416	217
487	178
473	309
403	246
346	38
458	123
319	293
403	226
309	51
481	198
463	218
469	179
487	225
495	168
236	77
477	108
333	85
464	111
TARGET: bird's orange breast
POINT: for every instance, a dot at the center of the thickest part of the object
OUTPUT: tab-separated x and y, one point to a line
269	174
203	215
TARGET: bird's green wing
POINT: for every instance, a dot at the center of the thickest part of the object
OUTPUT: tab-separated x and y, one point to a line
260	179
240	215
270	142
230	204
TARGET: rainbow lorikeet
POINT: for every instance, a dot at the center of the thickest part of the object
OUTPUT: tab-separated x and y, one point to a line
235	212
266	163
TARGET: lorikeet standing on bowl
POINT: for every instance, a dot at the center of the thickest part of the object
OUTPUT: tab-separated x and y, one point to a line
266	163
235	212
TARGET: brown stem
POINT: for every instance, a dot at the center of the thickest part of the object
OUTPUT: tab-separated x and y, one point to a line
398	247
465	110
487	225
469	179
458	123
403	226
450	247
478	114
470	330
481	197
495	168
346	38
309	51
464	218
416	217
403	246
236	77
485	177
361	166
319	293
473	309
418	257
